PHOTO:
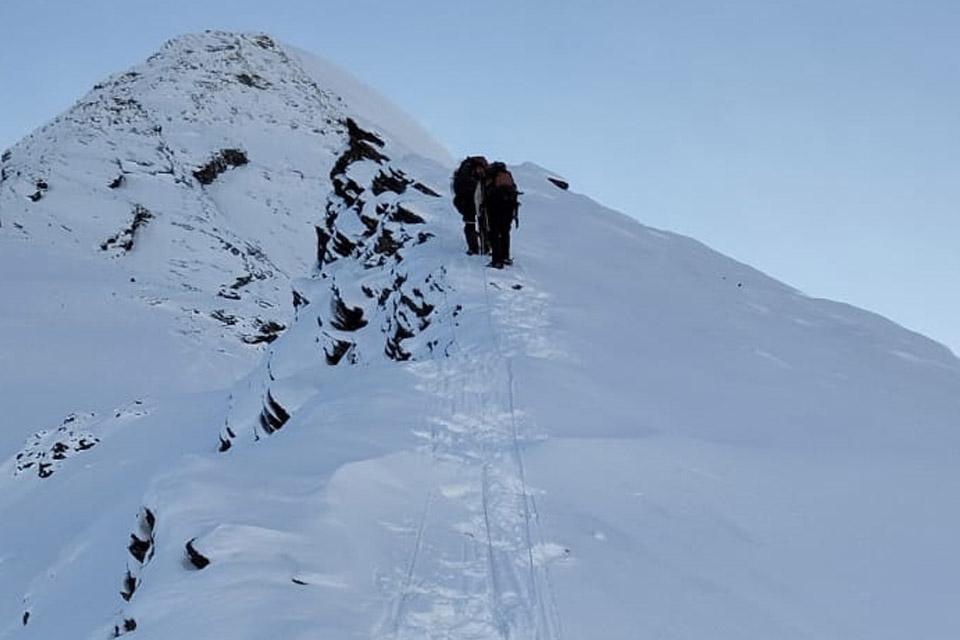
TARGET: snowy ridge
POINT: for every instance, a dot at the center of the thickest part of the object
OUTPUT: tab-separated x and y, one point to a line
368	301
294	407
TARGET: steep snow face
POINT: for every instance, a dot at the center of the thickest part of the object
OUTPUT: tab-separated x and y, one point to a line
624	435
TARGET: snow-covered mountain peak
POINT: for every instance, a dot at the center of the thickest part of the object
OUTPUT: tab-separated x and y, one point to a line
218	78
201	174
252	387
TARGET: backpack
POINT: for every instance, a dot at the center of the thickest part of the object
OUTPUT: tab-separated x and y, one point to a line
499	176
500	191
464	180
500	185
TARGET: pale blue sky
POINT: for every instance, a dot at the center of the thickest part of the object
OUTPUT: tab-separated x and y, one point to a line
816	140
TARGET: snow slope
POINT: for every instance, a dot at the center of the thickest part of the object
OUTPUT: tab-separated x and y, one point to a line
626	435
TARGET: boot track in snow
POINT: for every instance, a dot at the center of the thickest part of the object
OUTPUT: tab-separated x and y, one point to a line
473	570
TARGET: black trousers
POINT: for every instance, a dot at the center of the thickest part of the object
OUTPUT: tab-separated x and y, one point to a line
466	209
499	222
473	239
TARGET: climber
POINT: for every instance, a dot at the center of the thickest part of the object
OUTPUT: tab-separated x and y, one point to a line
500	208
467	198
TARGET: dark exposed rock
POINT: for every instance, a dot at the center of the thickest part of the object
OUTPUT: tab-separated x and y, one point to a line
269	331
323	238
421	310
345	318
424	189
394	181
393	348
273	416
336	351
379	242
58	451
242	281
372	224
342	245
405	216
356	133
360	146
117	182
228	294
66	442
196	558
141	548
129	624
349	191
562	184
224	317
125	238
252	80
226	439
264	42
265	423
224	160
138	548
299	300
234	157
216	48
129	586
386	244
36	196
